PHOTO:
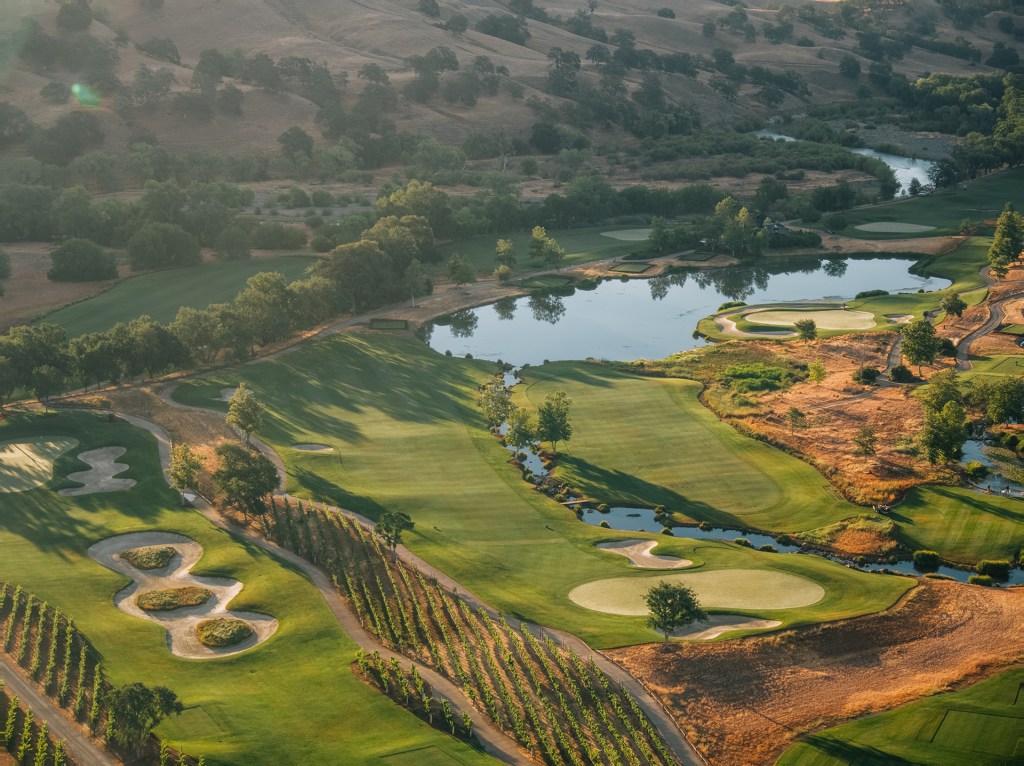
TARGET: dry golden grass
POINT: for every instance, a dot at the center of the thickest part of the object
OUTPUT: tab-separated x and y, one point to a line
744	701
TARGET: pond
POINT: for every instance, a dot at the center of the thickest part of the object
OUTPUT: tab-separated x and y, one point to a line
643	520
652	318
906	169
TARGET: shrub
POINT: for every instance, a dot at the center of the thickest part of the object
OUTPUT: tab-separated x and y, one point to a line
161	245
996	569
946	347
173	598
605	525
926	559
980	580
667	531
666	13
81	260
871	293
222	631
976	470
768	549
162	48
901	374
705	526
937	576
277	236
154	557
866	375
731	305
743	542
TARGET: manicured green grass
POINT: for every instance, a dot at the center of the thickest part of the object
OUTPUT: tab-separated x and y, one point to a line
545	282
982	725
1013	329
960	524
581	246
696	257
293	699
407	436
649	441
160	294
389	324
982	199
632	268
995	365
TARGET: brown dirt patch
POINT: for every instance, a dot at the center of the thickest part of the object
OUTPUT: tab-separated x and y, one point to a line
28	293
836	410
928	245
744	701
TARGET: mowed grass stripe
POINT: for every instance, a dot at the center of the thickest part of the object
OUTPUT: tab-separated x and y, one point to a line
408	436
260	700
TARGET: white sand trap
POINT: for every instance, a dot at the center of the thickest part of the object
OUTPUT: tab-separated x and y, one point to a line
826	319
639	552
180	624
99	478
893	227
628	235
718	589
311	447
225	395
900	318
28	463
717	624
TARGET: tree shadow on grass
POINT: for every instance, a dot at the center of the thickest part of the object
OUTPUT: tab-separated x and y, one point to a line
47	521
852	753
613	486
323	490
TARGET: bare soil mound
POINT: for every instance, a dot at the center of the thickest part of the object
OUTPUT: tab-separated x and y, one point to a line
745	701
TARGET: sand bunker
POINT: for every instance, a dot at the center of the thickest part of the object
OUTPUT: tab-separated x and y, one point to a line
718	589
628	235
826	319
900	318
639	552
180	624
892	227
225	394
28	463
312	447
99	478
717	624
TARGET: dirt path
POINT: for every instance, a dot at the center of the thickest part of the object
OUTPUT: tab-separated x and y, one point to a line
503	747
81	749
763	692
996	313
495	742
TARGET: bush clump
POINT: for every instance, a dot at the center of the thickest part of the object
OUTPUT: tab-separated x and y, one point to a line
154	557
927	559
976	470
870	294
980	580
744	542
757	376
731	305
81	260
222	631
996	569
901	374
173	598
866	376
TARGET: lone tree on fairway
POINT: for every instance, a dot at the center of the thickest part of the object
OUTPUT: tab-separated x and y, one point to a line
553	422
390	527
816	371
521	433
672	607
183	472
806	329
919	343
245	479
245	412
137	709
865	441
460	271
953	305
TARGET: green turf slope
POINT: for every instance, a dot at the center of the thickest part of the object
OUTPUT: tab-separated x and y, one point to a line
293	699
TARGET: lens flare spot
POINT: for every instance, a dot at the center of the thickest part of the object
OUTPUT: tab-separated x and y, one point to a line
85	95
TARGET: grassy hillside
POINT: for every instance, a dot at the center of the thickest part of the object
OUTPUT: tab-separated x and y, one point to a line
407	436
160	294
254	707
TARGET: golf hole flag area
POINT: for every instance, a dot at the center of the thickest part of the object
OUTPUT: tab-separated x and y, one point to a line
748	589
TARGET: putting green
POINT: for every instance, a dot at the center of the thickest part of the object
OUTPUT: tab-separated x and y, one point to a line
628	235
28	463
827	319
893	227
720	589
